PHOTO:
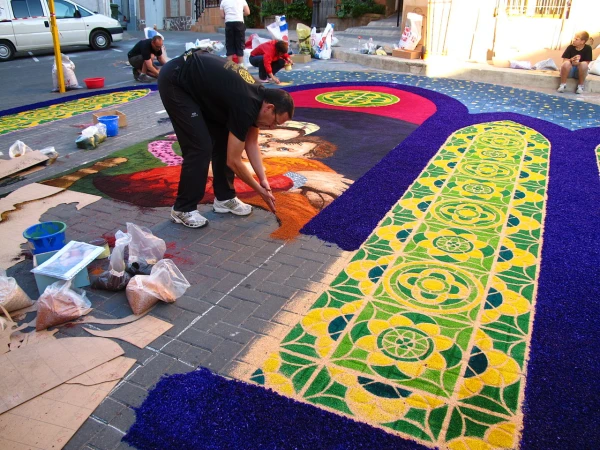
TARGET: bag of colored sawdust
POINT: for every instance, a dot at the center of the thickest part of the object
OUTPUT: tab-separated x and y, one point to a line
116	277
165	282
12	297
59	304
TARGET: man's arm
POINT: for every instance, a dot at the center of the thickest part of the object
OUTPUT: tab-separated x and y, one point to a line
246	9
150	69
222	11
235	148
162	59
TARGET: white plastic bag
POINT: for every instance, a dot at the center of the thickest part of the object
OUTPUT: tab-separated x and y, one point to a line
59	304
115	278
412	31
279	29
12	297
321	42
68	74
89	131
525	65
594	67
19	148
546	64
144	246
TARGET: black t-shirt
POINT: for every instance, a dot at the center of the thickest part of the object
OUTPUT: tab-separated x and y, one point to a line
585	53
144	48
226	92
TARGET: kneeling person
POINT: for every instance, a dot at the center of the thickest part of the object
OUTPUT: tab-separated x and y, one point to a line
140	58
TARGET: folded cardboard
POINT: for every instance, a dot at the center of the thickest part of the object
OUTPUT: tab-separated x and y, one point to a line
113	112
300	58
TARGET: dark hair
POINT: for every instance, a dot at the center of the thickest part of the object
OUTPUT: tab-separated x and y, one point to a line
156	38
281	100
281	47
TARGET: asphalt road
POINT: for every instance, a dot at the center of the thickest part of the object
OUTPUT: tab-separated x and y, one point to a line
28	78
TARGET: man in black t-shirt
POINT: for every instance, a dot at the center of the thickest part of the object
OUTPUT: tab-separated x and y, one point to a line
216	108
140	58
576	58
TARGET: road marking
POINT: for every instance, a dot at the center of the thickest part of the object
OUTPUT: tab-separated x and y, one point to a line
161	112
117	50
117	84
34	58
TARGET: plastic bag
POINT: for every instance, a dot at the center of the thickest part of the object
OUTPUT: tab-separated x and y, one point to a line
144	246
59	304
116	277
12	297
101	133
165	283
525	65
254	40
321	42
50	153
279	29
594	67
412	31
546	64
140	300
19	148
68	75
86	143
303	32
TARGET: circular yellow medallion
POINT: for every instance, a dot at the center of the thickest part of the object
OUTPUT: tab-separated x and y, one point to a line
357	99
246	76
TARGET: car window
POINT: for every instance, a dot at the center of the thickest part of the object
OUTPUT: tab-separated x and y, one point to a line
64	10
84	12
27	8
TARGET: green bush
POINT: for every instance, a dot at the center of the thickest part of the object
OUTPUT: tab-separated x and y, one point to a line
356	8
297	9
272	8
253	20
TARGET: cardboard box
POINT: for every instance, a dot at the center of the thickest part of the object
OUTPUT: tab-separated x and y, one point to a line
298	58
407	54
80	280
114	112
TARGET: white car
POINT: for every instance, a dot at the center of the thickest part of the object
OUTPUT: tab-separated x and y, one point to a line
25	26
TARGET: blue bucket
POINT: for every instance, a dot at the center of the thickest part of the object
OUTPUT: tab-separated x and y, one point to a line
46	236
112	124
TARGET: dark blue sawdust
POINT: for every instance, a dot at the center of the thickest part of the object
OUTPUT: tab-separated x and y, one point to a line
201	410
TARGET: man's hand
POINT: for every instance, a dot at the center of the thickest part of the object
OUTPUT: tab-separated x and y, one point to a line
275	79
268	197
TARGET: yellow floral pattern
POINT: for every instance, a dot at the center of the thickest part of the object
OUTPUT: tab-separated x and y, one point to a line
426	331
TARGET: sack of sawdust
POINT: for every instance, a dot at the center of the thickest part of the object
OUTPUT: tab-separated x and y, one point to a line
12	297
139	298
59	304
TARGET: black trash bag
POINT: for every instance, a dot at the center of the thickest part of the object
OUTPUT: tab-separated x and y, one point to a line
139	267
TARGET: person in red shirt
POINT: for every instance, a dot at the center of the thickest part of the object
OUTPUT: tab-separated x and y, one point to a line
270	58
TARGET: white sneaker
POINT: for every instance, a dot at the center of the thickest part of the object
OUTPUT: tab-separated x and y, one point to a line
233	206
191	219
579	89
562	88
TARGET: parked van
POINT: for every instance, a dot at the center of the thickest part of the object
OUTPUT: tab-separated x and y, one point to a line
25	25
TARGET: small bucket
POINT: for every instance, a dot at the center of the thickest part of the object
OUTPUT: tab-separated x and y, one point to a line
112	124
46	236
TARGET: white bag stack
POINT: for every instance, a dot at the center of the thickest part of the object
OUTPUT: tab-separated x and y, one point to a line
412	32
68	74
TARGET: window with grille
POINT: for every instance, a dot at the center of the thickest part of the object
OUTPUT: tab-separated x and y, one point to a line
538	8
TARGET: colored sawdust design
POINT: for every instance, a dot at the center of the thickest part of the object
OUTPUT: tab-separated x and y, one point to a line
426	331
35	117
297	162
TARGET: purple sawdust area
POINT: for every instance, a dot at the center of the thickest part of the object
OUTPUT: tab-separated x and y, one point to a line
201	410
561	399
56	101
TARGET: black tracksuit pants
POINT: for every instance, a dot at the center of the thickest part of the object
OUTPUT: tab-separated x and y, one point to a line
201	142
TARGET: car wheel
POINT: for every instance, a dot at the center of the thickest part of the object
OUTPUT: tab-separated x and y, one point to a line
100	40
7	51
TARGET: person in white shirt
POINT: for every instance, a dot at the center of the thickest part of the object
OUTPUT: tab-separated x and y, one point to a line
233	11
